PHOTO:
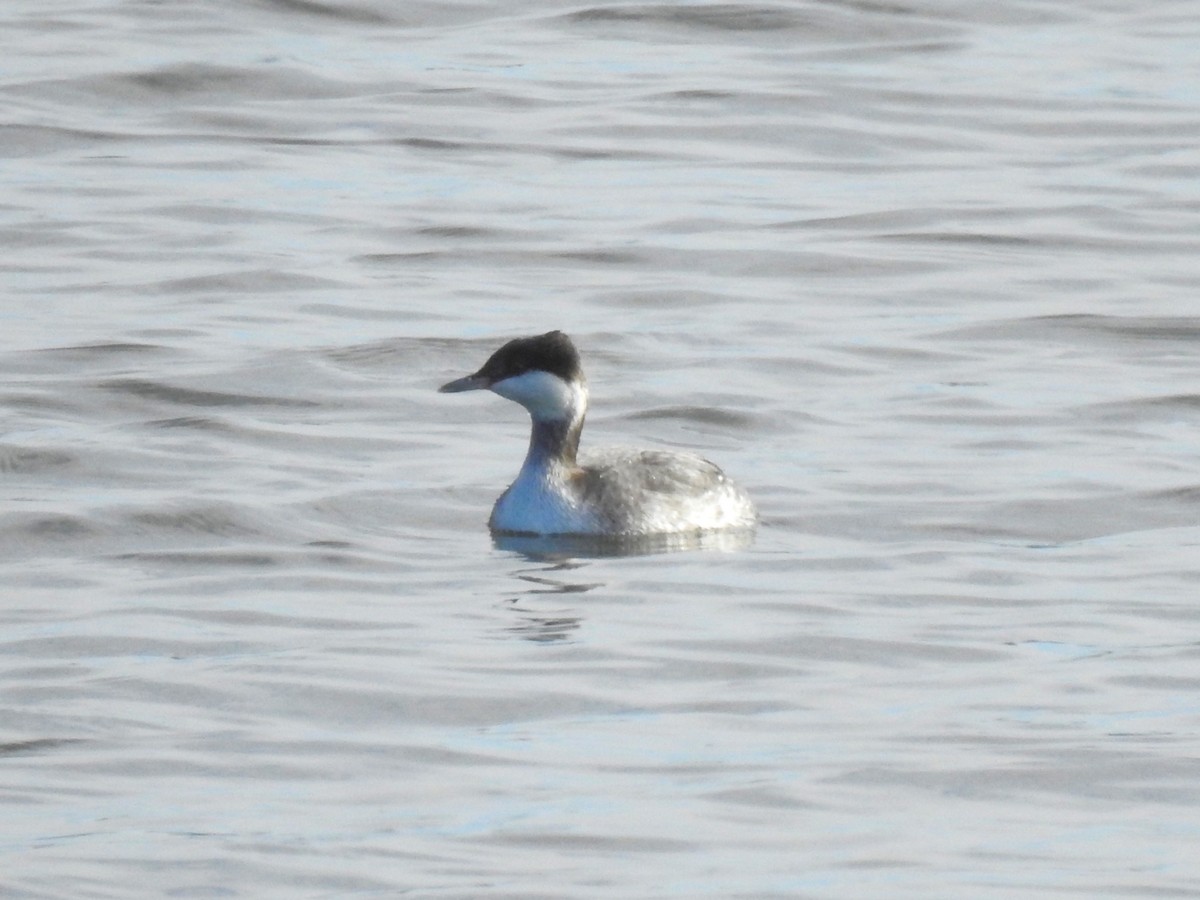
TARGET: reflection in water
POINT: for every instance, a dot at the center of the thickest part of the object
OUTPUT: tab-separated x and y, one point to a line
553	586
559	553
541	627
560	547
538	625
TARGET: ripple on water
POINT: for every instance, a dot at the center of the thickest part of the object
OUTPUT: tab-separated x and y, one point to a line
181	396
32	460
923	272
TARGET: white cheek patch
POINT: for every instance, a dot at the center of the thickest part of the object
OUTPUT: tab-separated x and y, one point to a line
546	396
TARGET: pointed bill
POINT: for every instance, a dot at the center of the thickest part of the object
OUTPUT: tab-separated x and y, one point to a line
474	382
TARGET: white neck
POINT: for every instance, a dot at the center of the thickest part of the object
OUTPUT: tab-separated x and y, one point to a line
539	499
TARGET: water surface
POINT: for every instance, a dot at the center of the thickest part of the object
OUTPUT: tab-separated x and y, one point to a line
922	277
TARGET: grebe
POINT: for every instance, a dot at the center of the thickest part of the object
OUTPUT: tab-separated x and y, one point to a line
614	492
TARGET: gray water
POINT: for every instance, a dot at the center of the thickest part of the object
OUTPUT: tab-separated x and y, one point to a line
922	276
